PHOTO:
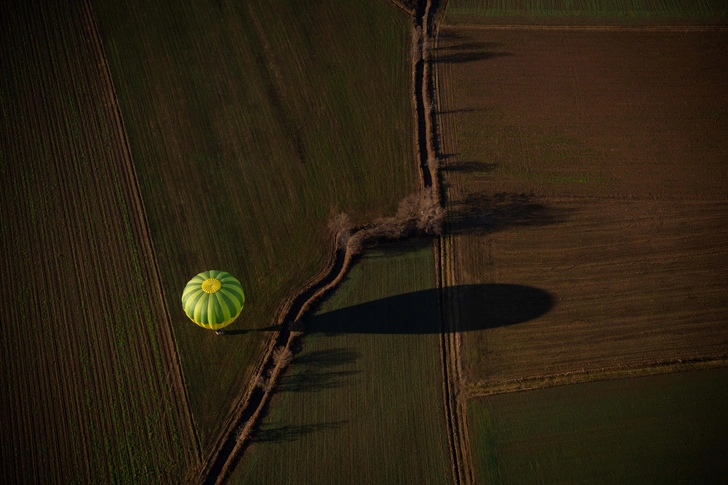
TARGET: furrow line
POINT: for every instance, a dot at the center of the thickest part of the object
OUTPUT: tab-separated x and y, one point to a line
140	225
594	375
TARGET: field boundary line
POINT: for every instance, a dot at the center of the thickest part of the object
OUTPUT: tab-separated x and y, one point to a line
454	398
170	354
455	402
629	198
606	374
401	6
593	28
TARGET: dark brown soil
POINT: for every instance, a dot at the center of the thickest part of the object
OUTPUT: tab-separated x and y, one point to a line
591	165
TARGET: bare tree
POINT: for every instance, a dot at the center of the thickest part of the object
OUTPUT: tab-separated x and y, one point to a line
423	211
341	226
431	218
282	356
355	243
264	383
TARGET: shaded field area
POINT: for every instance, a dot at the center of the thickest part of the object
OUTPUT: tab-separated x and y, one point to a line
589	165
586	12
251	124
90	389
658	429
361	405
494	306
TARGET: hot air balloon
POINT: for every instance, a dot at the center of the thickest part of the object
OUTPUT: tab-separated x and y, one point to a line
213	299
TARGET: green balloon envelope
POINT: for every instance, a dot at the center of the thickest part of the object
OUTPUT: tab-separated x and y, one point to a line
213	299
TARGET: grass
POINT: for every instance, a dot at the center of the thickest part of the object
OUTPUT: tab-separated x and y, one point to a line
659	429
362	400
251	124
88	393
586	11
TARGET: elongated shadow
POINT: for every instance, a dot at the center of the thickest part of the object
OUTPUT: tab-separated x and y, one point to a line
458	48
468	56
480	307
287	433
470	166
318	370
480	213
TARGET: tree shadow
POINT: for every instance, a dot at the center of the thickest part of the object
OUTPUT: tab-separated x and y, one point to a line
469	166
455	111
316	371
479	213
458	48
468	56
270	433
480	307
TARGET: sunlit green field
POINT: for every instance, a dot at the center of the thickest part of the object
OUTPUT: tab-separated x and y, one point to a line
250	125
88	391
362	401
586	11
660	429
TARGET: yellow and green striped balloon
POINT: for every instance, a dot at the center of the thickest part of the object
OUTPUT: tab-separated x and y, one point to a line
213	299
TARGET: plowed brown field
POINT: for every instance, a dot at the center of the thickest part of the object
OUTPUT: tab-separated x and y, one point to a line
590	164
90	389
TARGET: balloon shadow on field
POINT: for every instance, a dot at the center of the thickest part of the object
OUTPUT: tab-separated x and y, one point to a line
480	307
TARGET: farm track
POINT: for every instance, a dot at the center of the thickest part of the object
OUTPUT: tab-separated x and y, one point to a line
455	404
453	383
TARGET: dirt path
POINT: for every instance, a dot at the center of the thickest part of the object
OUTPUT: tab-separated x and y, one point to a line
453	384
455	403
232	441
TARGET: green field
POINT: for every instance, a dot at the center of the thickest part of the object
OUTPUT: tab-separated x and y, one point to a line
544	12
89	386
362	401
659	429
251	124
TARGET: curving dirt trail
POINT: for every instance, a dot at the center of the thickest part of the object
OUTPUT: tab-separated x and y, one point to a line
233	440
